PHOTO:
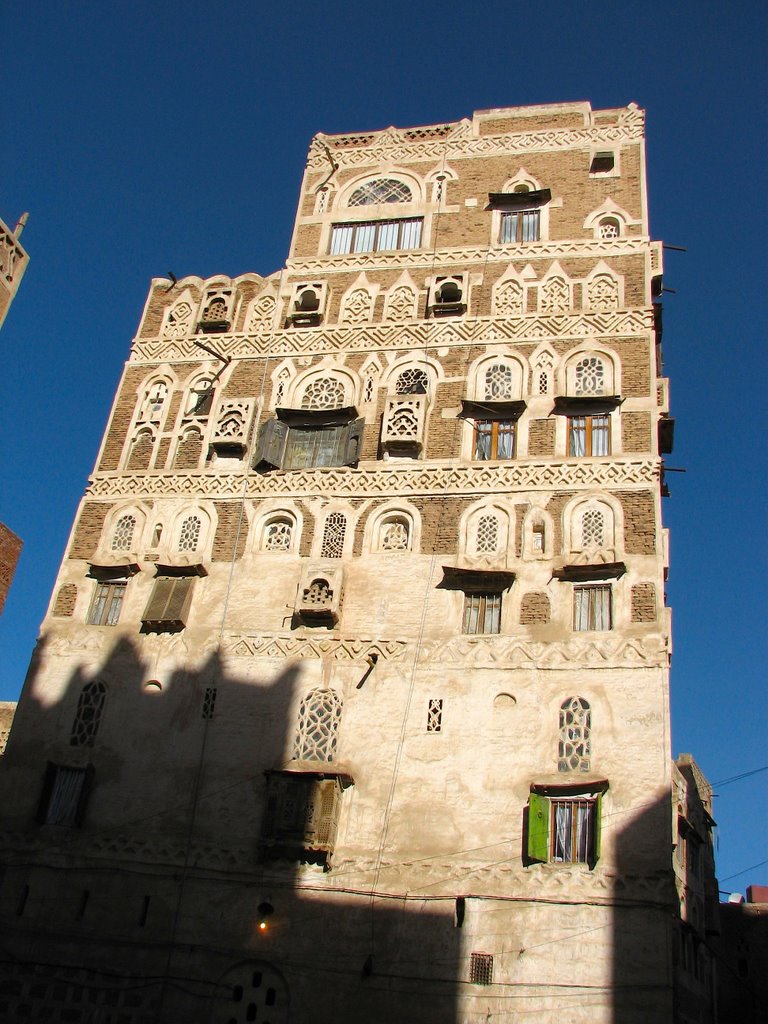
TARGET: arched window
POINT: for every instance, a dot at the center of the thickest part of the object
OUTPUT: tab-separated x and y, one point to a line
590	376
593	529
394	534
498	382
487	534
200	398
380	190
412	382
319	717
575	745
122	538
90	705
608	228
154	400
333	536
189	536
215	312
278	534
323	393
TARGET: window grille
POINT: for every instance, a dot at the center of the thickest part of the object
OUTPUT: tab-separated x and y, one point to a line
209	702
333	536
435	715
90	705
487	534
394	534
572	831
412	382
106	604
592	607
520	226
592	529
278	535
282	381
376	236
368	389
215	311
588	435
380	190
64	795
323	393
482	613
575	744
319	717
590	376
543	383
123	535
189	536
609	228
481	968
498	381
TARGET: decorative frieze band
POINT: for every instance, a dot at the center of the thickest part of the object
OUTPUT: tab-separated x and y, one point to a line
595	248
511	652
456	141
287	645
532	328
383	480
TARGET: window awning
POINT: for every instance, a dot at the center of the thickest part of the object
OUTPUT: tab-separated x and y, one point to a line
585	404
193	569
472	581
570	784
315	770
491	410
536	197
318	417
118	571
588	573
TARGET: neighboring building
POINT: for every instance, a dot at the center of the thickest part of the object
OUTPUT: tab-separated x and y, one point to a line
10	549
13	263
742	954
351	703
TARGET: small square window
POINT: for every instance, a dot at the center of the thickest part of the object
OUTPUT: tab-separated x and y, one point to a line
518	226
481	968
494	439
589	435
603	162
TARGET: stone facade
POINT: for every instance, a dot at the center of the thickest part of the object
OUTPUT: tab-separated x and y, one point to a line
360	632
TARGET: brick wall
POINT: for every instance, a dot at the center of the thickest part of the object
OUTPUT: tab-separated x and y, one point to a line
639	521
226	541
636	432
10	549
534	608
644	602
541	437
89	528
64	605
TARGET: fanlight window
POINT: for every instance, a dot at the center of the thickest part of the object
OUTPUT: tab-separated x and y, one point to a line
380	190
189	537
590	376
575	745
278	534
487	534
394	534
123	535
609	228
498	382
593	529
412	382
90	705
323	393
319	717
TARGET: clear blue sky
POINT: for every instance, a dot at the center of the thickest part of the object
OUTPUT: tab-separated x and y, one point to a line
148	137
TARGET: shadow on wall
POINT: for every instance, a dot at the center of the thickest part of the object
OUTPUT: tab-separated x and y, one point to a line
138	809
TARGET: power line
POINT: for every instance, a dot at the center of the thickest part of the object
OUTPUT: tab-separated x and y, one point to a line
743	775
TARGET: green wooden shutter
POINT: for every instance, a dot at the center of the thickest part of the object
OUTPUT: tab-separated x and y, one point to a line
270	445
538	827
598	830
354	442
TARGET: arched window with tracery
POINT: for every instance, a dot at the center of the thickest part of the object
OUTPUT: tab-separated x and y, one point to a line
90	705
498	382
122	538
412	381
333	535
394	533
590	376
574	749
189	535
278	534
380	190
317	733
609	228
323	393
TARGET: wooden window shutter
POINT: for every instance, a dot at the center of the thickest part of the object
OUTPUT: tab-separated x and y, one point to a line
169	602
85	792
270	445
179	600
538	827
327	816
354	441
158	600
598	829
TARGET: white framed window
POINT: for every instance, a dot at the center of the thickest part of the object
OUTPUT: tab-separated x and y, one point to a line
318	726
574	749
380	190
376	236
278	533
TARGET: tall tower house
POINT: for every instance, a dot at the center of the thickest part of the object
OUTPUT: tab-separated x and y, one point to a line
351	702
